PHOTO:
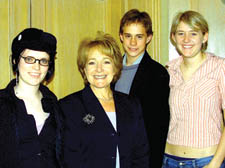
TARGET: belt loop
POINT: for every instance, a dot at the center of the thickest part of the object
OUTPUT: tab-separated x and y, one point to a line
194	163
165	159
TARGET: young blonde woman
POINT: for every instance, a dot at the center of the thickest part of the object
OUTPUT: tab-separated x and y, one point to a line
197	98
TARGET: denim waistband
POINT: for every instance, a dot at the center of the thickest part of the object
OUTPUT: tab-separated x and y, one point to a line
177	158
186	163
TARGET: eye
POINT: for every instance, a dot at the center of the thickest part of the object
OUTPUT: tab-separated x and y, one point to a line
91	63
44	61
139	36
194	34
127	35
180	33
107	62
30	59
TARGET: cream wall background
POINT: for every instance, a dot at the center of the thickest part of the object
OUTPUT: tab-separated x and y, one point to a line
72	20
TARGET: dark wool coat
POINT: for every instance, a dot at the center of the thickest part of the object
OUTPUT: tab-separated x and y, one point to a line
151	86
20	145
94	145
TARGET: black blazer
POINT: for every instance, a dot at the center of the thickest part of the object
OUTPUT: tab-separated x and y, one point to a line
151	86
94	145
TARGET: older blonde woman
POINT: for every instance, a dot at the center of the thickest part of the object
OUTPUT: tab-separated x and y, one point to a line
103	128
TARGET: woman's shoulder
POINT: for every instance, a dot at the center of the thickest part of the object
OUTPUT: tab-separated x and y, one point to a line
47	93
5	98
72	105
3	94
6	93
73	97
215	62
174	63
215	58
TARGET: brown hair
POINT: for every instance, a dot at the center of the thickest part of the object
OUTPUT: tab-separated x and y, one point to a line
195	20
135	16
107	45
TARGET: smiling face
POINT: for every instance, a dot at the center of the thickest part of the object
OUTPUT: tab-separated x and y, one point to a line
99	69
32	74
188	41
134	40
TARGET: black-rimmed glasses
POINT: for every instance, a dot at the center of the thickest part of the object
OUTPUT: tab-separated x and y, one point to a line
32	60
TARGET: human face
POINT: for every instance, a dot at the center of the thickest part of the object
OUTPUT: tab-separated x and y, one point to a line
188	41
99	69
32	74
134	40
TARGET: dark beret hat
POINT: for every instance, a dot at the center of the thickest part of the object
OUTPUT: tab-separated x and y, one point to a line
34	39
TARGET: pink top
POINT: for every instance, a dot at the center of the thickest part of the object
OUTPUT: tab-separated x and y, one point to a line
196	105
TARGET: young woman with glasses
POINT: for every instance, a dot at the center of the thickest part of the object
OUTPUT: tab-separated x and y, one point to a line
30	127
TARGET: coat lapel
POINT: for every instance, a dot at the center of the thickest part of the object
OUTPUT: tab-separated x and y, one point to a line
94	108
140	75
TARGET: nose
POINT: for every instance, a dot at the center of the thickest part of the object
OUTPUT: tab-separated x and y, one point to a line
36	65
133	41
186	38
99	67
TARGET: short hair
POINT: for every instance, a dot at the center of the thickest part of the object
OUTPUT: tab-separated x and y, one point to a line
195	20
34	39
135	16
105	44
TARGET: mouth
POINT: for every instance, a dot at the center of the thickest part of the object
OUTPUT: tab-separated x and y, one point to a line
99	76
133	49
187	46
35	75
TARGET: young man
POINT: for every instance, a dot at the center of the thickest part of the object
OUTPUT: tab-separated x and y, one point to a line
146	79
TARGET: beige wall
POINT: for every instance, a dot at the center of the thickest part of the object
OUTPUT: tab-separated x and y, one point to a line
14	16
72	20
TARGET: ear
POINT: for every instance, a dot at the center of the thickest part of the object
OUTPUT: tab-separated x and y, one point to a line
121	37
149	39
205	37
85	71
173	37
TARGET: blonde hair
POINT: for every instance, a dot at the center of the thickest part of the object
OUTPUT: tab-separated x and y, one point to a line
195	20
105	44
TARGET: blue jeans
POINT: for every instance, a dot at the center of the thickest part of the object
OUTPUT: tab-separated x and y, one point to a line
195	163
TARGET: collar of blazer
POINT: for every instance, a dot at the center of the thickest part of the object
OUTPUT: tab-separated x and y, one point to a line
94	110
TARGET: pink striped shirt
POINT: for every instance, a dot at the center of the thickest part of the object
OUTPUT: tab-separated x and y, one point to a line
196	105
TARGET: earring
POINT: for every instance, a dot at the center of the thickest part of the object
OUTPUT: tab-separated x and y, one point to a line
17	78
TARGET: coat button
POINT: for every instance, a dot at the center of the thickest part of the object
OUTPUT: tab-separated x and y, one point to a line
112	134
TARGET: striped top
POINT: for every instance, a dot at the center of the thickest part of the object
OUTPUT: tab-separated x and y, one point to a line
196	105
